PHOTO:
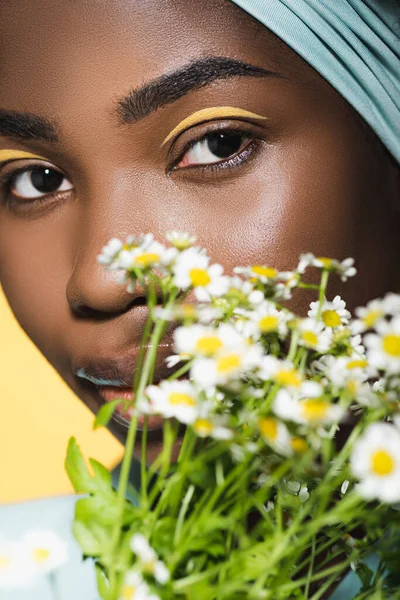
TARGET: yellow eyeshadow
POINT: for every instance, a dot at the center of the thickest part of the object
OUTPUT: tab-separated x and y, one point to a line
6	155
207	114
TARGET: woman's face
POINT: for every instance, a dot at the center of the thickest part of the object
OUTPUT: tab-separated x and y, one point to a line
93	88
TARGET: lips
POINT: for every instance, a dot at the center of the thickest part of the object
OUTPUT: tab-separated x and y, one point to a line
110	378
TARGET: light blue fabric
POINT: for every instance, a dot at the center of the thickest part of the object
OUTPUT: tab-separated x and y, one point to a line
353	44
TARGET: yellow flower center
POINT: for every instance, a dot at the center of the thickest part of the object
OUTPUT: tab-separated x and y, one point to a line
299	445
188	311
203	426
178	398
268	429
352	386
288	377
371	318
127	592
382	463
209	344
146	259
310	338
199	277
314	409
327	262
228	363
268	323
4	562
264	271
40	555
331	318
357	364
391	345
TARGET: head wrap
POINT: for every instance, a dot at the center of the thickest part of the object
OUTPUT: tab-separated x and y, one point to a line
353	44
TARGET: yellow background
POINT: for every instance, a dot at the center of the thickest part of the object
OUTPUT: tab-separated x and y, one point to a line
38	413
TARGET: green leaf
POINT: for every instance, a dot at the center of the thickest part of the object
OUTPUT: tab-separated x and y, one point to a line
92	538
102	584
98	509
76	468
105	413
102	476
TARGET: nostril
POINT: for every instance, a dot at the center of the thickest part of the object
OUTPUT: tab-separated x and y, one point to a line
84	311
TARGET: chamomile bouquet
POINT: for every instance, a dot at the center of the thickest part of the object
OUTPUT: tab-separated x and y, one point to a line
280	465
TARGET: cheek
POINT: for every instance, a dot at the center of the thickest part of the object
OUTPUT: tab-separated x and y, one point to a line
288	205
33	275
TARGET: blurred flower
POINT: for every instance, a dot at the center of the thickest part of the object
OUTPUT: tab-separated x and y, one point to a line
309	411
376	462
344	269
180	240
333	314
226	366
171	399
199	340
192	269
148	559
314	335
44	549
275	434
257	272
383	347
135	588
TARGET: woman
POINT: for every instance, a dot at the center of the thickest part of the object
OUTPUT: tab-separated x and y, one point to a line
265	132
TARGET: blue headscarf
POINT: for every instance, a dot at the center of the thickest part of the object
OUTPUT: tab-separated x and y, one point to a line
353	44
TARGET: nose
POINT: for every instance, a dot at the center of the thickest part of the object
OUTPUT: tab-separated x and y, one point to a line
94	292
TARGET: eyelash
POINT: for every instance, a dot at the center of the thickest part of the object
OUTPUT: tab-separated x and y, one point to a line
9	200
247	153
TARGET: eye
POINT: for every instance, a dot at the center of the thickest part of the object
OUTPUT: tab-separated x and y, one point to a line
214	147
36	182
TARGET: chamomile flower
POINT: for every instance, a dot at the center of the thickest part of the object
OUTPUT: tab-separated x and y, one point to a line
15	573
199	340
192	269
148	255
109	252
308	411
344	269
261	273
368	316
227	366
376	462
333	314
134	587
275	434
188	313
180	240
148	559
266	319
243	293
347	372
314	335
212	426
176	399
288	280
282	372
44	550
383	347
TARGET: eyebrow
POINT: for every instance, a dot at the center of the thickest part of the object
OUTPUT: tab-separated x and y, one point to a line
168	88
139	102
27	126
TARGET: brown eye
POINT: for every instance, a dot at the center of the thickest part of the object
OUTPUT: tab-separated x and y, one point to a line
214	147
37	182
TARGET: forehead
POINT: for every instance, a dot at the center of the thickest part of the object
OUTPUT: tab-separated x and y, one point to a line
66	53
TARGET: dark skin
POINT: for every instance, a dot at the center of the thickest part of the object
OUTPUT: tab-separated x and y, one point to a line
317	178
